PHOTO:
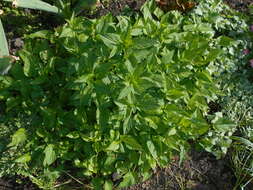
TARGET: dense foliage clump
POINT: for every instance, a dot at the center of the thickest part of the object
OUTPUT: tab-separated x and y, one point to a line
115	95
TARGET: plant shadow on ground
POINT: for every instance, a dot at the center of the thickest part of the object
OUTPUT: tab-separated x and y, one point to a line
200	171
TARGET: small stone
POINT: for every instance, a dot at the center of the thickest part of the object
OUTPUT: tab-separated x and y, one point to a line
18	42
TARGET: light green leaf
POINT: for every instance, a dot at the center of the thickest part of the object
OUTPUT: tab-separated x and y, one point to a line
5	64
152	149
24	158
34	4
175	94
73	135
224	125
108	185
143	43
114	146
18	137
4	50
50	155
110	39
40	34
125	92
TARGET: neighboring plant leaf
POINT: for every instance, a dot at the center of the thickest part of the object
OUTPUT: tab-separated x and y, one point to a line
34	4
4	51
5	64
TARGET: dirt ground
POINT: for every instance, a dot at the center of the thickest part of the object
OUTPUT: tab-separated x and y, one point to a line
200	171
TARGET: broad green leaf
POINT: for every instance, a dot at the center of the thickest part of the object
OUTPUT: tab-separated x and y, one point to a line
26	57
34	4
97	183
108	185
50	155
131	141
45	34
114	146
125	92
4	50
175	94
5	64
128	179
224	125
18	137
152	149
143	43
24	158
213	54
110	39
172	131
225	41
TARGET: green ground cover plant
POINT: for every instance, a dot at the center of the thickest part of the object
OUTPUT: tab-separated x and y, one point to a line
118	96
240	110
65	9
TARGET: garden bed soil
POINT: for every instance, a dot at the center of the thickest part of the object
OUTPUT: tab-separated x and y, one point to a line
200	171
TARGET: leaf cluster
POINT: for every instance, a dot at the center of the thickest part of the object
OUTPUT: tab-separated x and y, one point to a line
114	96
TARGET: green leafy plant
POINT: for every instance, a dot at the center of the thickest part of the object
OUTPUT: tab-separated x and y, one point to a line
238	105
65	9
34	4
112	96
